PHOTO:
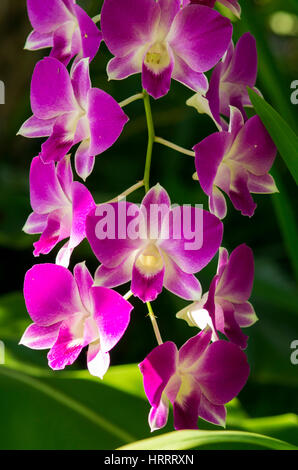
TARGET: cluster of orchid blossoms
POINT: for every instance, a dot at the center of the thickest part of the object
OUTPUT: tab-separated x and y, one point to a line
161	40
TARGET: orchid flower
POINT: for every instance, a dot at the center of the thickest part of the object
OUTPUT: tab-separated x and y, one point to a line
198	380
163	41
225	307
63	26
153	245
70	111
229	82
69	314
236	162
60	207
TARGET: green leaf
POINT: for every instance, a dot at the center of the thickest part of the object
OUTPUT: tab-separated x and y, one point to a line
183	440
42	409
283	136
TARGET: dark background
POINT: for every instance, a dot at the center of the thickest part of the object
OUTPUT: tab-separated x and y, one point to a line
271	233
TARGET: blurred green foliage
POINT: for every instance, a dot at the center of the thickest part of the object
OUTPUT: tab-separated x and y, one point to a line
41	409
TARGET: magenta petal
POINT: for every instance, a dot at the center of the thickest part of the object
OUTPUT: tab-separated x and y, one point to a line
215	414
122	67
107	232
186	409
61	140
37	41
236	122
261	184
36	223
50	235
243	67
90	35
209	154
191	352
196	81
212	94
223	258
240	195
146	287
62	40
84	282
51	89
236	279
65	176
84	162
113	277
40	337
169	9
112	316
157	369
196	30
157	84
81	82
128	25
223	372
51	294
47	15
245	314
35	127
155	207
106	120
199	241
46	194
217	203
180	283
82	203
158	415
254	148
67	347
231	328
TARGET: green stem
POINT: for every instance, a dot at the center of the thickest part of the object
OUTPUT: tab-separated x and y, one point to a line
131	99
151	137
154	323
96	19
167	143
127	295
127	192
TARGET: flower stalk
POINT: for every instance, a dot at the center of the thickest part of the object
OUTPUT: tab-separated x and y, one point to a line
151	137
173	146
154	323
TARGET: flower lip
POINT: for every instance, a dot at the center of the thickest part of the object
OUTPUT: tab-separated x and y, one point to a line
150	261
157	57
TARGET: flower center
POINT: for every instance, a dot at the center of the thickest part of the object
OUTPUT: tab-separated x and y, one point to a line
157	58
150	261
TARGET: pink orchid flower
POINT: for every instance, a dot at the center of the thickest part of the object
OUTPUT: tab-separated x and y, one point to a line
163	41
69	314
63	26
225	307
168	247
69	111
229	82
233	5
236	162
60	207
198	380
